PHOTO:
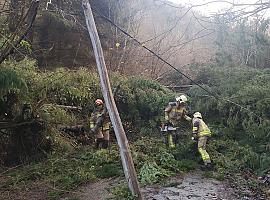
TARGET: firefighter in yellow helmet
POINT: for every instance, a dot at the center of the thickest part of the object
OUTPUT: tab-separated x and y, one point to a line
201	133
100	124
175	112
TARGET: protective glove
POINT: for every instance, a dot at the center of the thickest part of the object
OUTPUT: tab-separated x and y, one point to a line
166	118
92	131
188	118
163	126
194	137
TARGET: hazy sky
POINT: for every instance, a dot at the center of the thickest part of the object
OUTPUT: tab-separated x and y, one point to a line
212	7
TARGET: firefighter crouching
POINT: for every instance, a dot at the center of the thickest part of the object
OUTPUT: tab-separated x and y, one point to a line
175	112
201	133
100	125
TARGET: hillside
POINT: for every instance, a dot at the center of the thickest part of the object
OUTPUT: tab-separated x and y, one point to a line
61	133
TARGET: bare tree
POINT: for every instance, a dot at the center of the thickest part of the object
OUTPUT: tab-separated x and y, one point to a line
20	30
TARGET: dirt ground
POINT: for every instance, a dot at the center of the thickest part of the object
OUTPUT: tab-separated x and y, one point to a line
191	186
33	191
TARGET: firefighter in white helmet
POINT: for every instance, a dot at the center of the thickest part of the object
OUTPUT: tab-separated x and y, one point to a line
201	133
175	112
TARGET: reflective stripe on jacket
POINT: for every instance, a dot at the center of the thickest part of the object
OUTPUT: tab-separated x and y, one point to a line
202	129
106	121
175	114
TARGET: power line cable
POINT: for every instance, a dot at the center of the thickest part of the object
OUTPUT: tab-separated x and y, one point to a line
173	67
155	54
169	64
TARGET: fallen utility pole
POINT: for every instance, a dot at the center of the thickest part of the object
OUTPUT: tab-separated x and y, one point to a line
126	158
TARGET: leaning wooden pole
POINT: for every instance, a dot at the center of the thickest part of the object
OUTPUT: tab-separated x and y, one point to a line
126	158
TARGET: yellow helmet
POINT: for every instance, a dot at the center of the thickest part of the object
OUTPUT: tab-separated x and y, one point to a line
181	99
197	114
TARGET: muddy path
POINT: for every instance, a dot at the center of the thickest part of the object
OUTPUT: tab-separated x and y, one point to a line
192	186
99	190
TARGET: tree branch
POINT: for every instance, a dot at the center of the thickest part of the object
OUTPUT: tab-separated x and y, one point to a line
30	18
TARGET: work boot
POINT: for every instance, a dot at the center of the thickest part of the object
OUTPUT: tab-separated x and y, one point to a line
98	142
210	166
105	144
203	167
207	167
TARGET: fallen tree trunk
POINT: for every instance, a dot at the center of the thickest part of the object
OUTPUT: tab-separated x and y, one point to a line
10	124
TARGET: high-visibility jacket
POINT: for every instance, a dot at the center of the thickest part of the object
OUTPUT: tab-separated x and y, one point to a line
200	128
106	120
175	114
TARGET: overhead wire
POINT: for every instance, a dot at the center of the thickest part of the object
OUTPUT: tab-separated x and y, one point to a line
173	67
151	51
169	64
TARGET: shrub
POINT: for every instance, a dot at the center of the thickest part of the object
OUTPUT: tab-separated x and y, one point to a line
140	101
245	132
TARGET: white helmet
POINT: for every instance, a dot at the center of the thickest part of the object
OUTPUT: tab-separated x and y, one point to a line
197	114
181	99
